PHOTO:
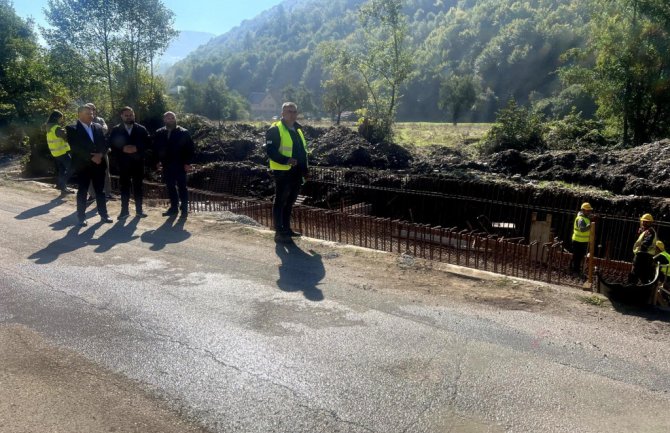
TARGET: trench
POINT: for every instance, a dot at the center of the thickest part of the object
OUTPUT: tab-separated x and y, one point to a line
508	228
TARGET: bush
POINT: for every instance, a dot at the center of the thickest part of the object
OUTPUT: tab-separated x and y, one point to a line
574	132
516	128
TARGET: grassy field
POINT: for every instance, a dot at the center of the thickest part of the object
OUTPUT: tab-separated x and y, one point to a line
420	133
445	134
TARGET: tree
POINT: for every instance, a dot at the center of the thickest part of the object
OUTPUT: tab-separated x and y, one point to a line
384	61
516	128
27	89
345	90
341	93
626	67
116	39
457	94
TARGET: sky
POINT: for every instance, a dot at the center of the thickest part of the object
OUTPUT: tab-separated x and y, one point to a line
211	16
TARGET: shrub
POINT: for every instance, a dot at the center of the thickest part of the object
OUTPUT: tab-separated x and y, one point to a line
575	132
516	128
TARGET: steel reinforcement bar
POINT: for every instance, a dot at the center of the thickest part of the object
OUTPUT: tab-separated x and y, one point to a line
512	257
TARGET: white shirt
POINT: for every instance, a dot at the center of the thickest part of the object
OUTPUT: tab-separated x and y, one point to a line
89	130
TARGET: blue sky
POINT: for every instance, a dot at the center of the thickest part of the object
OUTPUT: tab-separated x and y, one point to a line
212	16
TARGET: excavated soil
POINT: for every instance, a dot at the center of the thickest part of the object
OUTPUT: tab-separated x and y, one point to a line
640	171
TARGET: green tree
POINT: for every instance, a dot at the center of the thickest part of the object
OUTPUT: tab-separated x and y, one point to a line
457	95
626	67
516	128
344	90
342	93
27	90
384	61
116	39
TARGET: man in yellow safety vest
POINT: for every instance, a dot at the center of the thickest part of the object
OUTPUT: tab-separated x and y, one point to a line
60	150
644	250
286	147
581	232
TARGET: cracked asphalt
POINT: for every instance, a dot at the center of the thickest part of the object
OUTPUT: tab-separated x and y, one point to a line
156	325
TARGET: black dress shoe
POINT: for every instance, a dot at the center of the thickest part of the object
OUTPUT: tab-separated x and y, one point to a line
170	212
140	214
83	223
106	219
124	214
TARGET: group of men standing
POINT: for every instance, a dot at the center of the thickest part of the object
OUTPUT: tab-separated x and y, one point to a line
82	149
648	250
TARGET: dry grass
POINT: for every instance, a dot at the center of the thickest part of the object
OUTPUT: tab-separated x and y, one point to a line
444	134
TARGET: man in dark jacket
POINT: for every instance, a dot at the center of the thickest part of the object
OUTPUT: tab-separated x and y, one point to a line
129	142
286	147
88	147
175	150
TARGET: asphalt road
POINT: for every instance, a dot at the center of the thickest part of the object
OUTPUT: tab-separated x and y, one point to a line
229	331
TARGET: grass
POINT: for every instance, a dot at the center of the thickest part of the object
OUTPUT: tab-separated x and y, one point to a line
592	300
444	134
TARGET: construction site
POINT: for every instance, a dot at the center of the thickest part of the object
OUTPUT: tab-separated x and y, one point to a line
511	214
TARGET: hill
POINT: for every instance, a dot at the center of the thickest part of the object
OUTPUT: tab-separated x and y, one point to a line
511	48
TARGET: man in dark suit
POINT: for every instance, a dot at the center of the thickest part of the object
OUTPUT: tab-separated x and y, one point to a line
88	147
175	150
129	142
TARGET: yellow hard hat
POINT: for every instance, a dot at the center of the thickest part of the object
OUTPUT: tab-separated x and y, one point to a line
586	206
660	245
647	217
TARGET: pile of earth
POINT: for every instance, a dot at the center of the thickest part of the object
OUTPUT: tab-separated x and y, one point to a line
644	170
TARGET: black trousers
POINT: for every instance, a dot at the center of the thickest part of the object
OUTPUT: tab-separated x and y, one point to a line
131	173
175	180
87	175
578	253
643	268
63	164
287	187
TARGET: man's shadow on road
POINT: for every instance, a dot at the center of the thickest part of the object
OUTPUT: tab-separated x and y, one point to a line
73	240
42	209
300	271
119	233
71	219
170	232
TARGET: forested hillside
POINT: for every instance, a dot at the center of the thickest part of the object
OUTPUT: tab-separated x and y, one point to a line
502	48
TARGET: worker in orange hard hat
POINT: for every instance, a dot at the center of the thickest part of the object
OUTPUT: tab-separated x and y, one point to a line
581	233
644	250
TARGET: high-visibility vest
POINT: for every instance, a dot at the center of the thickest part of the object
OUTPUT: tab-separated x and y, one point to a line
578	235
664	268
286	145
638	243
57	146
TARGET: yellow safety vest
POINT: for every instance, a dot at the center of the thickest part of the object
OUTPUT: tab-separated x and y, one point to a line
652	248
57	146
578	235
664	268
286	145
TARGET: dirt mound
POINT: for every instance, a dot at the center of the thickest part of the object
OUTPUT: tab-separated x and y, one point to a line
340	146
644	170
